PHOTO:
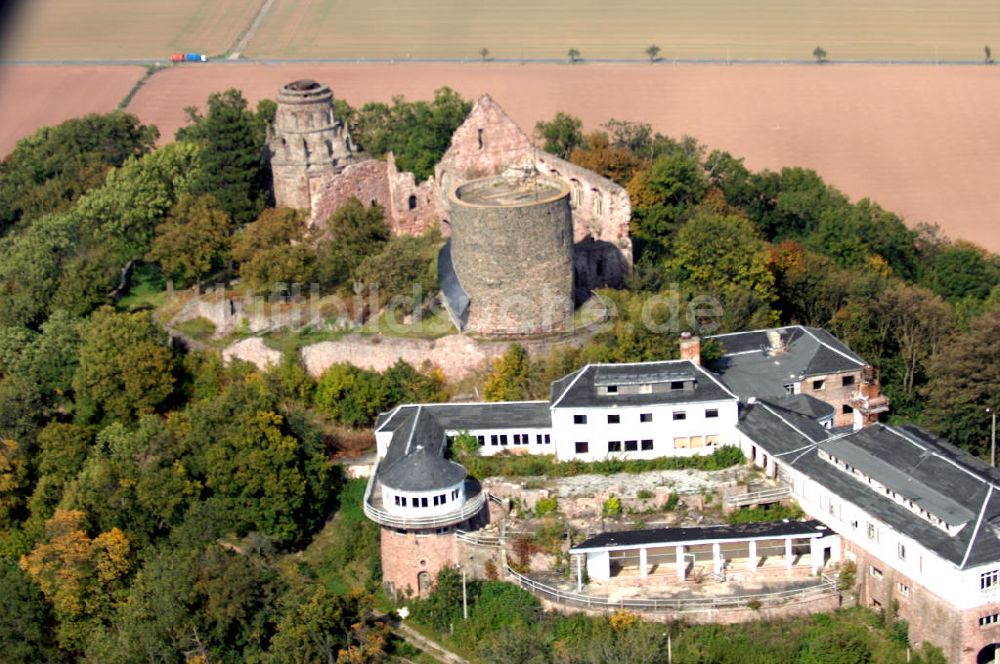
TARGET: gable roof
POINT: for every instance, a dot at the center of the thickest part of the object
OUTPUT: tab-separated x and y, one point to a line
919	467
579	389
750	368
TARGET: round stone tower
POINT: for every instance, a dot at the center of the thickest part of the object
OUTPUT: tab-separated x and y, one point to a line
512	252
306	144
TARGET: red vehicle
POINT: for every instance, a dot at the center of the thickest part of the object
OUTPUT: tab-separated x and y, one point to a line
177	57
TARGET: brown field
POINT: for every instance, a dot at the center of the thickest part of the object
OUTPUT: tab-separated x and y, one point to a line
922	141
124	29
715	29
34	96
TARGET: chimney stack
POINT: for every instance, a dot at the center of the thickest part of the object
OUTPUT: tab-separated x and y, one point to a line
690	348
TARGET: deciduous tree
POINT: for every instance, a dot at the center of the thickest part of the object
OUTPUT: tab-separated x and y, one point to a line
561	134
193	240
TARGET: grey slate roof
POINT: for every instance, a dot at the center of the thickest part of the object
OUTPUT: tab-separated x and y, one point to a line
913	462
461	416
651	536
804	404
415	459
456	299
749	370
579	389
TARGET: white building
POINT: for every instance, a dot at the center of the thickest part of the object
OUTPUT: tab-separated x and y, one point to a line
920	518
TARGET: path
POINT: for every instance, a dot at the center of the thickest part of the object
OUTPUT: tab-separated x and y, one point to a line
250	32
432	648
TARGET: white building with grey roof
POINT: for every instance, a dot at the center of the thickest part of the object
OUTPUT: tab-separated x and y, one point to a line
920	517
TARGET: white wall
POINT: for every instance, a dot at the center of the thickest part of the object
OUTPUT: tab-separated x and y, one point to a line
533	446
939	576
662	430
451	501
599	566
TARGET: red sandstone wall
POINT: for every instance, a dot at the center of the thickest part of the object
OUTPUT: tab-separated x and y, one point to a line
404	556
834	394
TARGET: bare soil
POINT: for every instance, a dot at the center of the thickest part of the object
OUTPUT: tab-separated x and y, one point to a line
36	96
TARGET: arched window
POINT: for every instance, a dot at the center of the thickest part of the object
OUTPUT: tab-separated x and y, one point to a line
598	202
413	202
479	137
576	199
423	583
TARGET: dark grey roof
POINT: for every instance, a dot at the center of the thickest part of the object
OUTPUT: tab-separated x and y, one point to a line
804	404
463	416
579	389
750	370
455	297
415	459
925	469
764	529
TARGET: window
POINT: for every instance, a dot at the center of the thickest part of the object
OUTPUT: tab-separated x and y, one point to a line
438	500
503	439
542	439
682	442
711	412
614	446
402	501
646	417
854	524
989	579
872	532
423	502
454	494
677	385
901	550
582	448
680	415
790	388
517	439
579	419
481	439
991	619
479	137
614	419
647	445
612	389
818	384
846	410
548	439
904	589
875	572
494	439
711	440
412	202
697	441
847	381
631	445
397	501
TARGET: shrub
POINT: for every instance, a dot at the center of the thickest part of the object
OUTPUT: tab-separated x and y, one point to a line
612	508
546	506
644	494
848	570
671	503
775	512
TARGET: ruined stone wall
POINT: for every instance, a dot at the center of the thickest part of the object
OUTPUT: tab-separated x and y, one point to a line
367	181
412	208
406	555
834	393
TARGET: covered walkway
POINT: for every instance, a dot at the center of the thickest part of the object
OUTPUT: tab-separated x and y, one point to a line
696	553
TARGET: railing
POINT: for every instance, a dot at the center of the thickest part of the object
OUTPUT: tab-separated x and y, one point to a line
479	540
469	509
824	588
758	497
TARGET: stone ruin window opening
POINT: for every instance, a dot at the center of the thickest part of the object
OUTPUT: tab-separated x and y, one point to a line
576	200
598	202
479	137
412	202
329	148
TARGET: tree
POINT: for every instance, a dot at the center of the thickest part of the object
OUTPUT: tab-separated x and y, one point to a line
723	255
274	249
125	367
561	135
328	627
988	54
964	380
402	273
653	52
13	481
26	621
963	271
917	321
611	161
47	172
354	232
510	376
820	54
231	155
574	56
193	240
484	53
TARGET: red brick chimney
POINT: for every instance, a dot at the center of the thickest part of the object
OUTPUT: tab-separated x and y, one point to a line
690	348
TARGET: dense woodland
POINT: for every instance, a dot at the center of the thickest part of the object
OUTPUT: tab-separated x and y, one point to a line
157	506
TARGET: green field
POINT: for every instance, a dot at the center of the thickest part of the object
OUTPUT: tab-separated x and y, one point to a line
715	29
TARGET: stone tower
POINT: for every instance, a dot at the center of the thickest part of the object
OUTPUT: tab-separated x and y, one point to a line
306	145
511	252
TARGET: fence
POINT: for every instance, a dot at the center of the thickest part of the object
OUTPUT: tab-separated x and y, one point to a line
469	509
758	497
825	588
478	540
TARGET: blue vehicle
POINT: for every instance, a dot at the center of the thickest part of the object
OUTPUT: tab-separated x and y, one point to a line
194	57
